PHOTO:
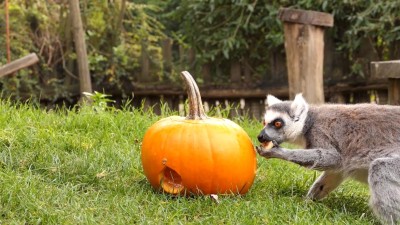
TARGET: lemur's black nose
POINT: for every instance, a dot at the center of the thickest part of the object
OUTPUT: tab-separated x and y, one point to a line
262	137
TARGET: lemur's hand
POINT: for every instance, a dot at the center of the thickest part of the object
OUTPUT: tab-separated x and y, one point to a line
261	150
268	153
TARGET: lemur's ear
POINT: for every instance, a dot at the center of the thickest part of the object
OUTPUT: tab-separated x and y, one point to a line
272	100
299	108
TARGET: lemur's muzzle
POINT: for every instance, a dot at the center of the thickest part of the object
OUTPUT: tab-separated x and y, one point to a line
263	137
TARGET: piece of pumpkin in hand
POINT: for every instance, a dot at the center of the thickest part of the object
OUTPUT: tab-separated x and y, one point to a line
267	145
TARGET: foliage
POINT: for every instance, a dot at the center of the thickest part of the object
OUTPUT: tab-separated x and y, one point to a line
99	100
223	31
134	33
124	40
117	34
83	167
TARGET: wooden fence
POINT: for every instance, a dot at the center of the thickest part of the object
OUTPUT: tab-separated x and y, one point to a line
245	94
244	90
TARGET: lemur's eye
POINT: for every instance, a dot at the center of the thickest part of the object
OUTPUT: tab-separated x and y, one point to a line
278	124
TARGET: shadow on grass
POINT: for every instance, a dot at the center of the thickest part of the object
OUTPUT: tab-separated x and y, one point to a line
188	197
354	205
294	190
349	204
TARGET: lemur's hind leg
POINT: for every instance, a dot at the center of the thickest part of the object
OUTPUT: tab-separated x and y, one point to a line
384	183
327	182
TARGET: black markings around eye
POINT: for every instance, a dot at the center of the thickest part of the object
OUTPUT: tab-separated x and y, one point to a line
277	123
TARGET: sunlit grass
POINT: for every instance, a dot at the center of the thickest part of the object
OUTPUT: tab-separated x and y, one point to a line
82	166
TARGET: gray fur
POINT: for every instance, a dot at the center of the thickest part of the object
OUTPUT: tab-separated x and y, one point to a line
359	141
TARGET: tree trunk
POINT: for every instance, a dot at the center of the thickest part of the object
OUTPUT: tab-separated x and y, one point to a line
80	48
68	65
145	65
206	73
7	33
167	55
236	73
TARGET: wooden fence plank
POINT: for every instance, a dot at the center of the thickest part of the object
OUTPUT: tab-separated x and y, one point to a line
18	64
391	71
385	69
306	17
394	91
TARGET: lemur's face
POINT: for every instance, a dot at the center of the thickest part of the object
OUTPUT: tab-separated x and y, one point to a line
276	125
283	121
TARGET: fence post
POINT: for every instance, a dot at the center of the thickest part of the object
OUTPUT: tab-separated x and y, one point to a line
304	45
391	71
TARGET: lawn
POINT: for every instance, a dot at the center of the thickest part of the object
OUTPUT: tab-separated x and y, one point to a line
82	166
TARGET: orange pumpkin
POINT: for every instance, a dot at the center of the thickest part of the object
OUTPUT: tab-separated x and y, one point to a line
198	154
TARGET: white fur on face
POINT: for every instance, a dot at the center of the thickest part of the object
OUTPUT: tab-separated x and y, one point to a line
292	130
271	115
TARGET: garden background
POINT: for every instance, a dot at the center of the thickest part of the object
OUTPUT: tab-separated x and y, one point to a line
234	49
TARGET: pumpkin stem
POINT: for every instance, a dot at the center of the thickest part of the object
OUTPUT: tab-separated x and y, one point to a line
196	110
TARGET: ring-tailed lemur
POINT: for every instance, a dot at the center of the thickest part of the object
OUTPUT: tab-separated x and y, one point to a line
360	141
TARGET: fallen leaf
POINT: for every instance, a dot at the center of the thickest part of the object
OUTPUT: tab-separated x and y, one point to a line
102	174
214	197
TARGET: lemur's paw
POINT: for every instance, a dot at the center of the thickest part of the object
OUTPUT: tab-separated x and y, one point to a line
260	149
263	151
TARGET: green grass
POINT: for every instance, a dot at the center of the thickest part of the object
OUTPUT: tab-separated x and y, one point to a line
83	167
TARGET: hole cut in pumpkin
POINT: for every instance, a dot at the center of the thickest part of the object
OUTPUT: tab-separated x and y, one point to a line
171	181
